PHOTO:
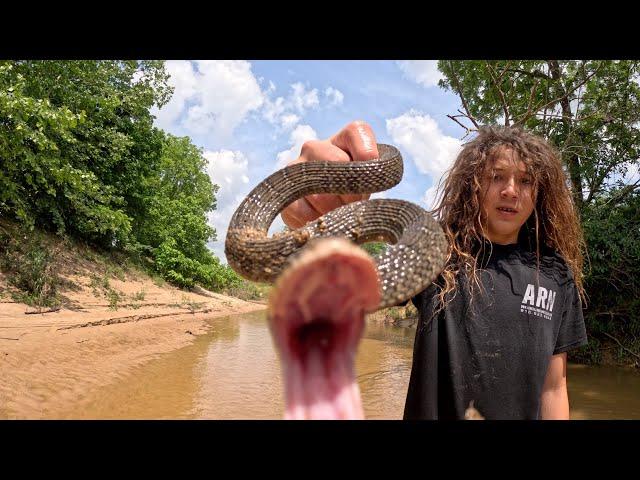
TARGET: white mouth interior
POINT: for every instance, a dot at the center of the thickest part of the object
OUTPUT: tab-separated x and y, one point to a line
316	317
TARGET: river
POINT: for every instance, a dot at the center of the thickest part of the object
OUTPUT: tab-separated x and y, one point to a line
233	373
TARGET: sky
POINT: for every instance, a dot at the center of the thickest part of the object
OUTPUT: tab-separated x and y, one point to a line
252	117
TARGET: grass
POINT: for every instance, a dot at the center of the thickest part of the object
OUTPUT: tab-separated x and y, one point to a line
139	296
249	291
101	287
31	266
190	304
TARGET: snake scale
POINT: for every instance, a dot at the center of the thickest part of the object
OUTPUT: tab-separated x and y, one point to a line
418	246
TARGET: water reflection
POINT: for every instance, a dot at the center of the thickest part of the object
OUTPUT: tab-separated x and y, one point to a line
233	372
241	374
604	392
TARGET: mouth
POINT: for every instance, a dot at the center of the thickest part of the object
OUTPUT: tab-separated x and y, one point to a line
507	211
316	316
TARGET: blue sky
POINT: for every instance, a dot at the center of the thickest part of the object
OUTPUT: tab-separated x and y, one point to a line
251	117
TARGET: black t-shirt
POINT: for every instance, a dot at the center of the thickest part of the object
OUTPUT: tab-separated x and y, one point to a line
494	351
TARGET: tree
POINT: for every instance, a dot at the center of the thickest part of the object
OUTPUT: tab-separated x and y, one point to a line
80	155
590	110
88	181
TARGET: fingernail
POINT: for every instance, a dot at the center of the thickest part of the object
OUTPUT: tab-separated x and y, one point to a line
366	139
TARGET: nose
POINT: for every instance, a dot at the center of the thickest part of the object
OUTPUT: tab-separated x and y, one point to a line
509	189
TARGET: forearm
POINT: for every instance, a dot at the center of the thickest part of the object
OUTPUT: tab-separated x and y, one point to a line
555	404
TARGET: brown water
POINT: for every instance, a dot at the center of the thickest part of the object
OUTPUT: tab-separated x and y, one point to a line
233	373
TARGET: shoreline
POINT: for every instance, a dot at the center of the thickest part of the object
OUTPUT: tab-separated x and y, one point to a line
53	362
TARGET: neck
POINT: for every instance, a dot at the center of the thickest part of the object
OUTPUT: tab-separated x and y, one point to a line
502	239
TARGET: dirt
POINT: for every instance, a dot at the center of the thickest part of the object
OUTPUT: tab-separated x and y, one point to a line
56	358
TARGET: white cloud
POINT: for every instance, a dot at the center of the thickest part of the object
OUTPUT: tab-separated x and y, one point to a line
632	175
430	199
183	80
424	72
214	98
303	99
432	151
229	170
298	136
335	96
289	120
287	112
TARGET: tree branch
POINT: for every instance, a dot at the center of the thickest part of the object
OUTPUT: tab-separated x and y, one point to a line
496	83
622	193
565	95
454	118
460	94
528	114
623	347
597	181
535	73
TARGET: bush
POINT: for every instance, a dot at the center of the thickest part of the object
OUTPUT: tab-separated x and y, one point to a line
30	267
186	272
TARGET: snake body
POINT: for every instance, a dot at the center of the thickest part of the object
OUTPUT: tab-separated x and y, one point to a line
417	250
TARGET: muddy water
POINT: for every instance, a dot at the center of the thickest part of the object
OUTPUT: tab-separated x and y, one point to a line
233	373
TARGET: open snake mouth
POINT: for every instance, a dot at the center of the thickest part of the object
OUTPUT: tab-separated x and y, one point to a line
316	316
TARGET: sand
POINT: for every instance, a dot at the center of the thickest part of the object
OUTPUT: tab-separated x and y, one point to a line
51	361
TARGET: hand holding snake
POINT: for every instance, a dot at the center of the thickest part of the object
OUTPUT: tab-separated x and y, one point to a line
324	283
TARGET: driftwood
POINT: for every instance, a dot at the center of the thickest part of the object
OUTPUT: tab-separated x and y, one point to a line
621	345
32	312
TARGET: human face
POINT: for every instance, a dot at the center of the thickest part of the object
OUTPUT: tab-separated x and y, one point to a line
507	198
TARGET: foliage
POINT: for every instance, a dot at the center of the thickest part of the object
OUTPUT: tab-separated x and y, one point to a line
247	290
76	140
374	248
182	196
79	155
590	110
175	266
30	266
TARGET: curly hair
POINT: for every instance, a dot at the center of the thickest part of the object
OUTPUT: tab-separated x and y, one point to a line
554	222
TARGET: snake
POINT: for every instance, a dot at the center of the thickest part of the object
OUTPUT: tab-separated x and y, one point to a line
324	283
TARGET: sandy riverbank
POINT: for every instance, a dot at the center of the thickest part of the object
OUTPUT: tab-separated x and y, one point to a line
51	361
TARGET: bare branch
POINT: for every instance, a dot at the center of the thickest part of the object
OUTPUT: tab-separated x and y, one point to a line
454	118
527	115
619	343
622	194
496	83
565	95
462	99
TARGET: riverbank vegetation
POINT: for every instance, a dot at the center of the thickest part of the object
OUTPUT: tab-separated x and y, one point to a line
82	163
590	110
80	158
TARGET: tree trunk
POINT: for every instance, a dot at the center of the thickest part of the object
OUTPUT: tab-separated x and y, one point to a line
572	159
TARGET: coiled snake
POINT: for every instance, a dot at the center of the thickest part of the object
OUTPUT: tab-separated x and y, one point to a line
324	285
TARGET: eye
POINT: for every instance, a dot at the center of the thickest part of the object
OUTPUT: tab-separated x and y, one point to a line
527	181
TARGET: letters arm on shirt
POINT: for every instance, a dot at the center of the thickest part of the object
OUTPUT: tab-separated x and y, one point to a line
555	399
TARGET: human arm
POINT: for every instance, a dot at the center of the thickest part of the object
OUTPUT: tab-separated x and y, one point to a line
355	142
555	398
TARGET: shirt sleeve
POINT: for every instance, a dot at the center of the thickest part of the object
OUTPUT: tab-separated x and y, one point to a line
573	332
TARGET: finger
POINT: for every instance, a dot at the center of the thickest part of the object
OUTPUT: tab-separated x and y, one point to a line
301	212
359	141
290	221
323	151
